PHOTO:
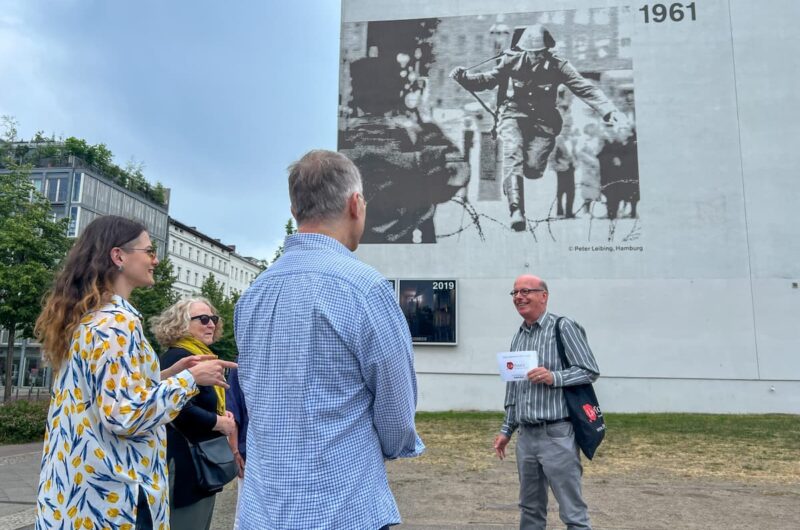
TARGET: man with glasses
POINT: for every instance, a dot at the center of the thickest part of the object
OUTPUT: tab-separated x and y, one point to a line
326	366
546	450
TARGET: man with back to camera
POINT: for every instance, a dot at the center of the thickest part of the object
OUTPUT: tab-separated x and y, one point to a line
547	453
326	365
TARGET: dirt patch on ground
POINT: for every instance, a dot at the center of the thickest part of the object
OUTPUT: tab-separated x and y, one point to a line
677	479
432	497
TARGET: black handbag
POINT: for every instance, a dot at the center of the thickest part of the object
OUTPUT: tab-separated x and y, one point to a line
584	410
214	463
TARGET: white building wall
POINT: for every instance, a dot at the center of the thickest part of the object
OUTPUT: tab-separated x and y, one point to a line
242	273
194	258
703	318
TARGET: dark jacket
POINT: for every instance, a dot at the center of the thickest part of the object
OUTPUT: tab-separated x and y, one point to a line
234	402
196	421
619	170
527	84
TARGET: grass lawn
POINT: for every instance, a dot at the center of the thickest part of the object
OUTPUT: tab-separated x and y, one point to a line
733	447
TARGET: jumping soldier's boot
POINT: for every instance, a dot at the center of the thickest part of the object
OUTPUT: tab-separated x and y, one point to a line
514	191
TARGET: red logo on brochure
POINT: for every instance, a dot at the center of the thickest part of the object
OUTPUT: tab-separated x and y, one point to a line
510	365
590	413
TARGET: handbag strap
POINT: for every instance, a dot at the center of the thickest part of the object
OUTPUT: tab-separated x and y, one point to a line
188	441
560	345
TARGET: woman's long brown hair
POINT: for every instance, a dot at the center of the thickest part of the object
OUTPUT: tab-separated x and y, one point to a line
84	284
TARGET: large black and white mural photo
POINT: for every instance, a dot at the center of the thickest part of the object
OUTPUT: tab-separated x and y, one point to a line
503	125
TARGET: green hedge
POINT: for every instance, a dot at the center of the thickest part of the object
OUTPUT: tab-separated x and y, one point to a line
23	421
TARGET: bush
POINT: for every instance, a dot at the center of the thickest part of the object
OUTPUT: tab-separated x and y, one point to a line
23	421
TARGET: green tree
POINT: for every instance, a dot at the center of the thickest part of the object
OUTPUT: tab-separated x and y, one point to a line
46	151
225	347
10	126
151	301
290	229
160	193
32	245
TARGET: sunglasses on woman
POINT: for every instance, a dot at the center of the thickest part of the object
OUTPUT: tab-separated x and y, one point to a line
204	319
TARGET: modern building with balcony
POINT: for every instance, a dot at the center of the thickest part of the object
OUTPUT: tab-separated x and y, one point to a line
82	193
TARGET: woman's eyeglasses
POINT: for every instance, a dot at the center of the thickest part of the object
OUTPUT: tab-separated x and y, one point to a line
150	251
205	319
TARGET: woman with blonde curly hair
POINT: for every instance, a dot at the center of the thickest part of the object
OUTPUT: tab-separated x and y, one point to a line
104	464
187	329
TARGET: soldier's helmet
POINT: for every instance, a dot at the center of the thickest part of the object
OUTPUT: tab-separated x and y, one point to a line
536	37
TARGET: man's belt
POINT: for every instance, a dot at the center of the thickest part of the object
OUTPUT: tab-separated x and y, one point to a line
542	423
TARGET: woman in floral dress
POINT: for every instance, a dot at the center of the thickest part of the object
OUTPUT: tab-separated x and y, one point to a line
104	459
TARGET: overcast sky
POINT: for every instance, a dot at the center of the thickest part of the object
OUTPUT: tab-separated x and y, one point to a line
215	98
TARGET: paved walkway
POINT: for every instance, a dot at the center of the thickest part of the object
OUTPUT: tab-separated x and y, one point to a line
19	469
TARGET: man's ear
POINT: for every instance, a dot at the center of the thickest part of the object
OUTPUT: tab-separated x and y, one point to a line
353	205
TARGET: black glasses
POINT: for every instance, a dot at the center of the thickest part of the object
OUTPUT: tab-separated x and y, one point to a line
525	292
205	319
150	251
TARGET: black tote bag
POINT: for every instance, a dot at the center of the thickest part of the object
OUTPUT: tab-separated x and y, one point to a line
584	410
213	460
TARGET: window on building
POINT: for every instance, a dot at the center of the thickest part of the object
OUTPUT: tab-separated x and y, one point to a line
77	181
74	216
187	275
52	191
196	279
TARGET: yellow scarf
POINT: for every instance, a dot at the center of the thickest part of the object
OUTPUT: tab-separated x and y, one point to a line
195	347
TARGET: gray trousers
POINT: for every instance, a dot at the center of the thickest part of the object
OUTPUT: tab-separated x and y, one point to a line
525	154
548	455
196	516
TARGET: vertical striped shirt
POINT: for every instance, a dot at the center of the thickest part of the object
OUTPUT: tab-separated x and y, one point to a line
528	402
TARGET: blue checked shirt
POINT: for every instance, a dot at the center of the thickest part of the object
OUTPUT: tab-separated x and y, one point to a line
326	365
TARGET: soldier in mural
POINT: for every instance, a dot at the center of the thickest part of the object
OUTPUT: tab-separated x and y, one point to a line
408	165
527	78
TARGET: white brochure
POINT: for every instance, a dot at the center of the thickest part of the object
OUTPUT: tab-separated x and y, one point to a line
514	365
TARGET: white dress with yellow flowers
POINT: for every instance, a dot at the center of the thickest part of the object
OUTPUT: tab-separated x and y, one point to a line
105	435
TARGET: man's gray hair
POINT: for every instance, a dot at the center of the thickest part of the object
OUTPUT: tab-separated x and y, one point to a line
320	184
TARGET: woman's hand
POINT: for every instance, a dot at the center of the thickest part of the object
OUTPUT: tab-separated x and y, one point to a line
233	441
225	424
239	462
208	373
184	363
